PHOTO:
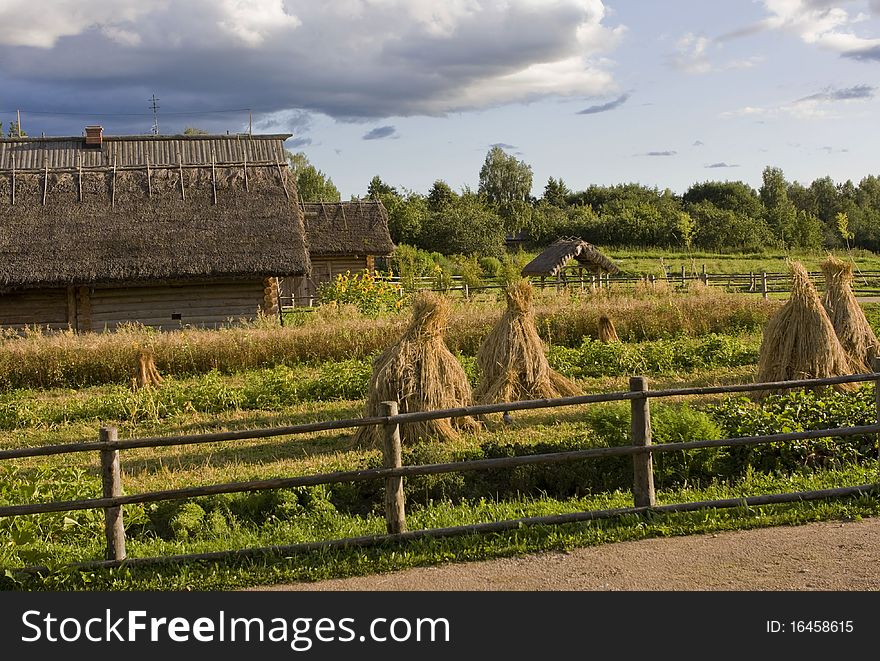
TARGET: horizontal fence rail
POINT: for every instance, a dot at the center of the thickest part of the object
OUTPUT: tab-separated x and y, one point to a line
393	472
866	283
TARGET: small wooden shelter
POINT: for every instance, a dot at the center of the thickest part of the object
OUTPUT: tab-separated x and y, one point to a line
97	231
342	237
554	260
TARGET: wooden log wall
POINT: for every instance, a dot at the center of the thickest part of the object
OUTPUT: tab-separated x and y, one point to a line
43	307
170	307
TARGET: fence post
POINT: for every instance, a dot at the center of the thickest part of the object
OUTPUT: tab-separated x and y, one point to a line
112	483
643	465
764	284
395	514
875	366
683	283
467	293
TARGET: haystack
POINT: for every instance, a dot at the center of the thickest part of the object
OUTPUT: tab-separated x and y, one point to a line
799	340
607	332
147	375
511	359
846	315
421	374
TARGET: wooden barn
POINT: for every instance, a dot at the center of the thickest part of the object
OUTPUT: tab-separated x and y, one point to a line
166	231
342	237
569	255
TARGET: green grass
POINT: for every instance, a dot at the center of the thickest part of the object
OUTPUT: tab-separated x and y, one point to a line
671	341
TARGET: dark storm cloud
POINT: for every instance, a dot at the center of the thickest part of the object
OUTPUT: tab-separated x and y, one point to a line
604	107
379	133
396	58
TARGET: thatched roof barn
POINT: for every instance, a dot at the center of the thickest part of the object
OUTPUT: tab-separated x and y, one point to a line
163	230
342	237
554	258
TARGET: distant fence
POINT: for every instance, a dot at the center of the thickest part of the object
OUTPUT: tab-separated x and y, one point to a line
866	283
108	447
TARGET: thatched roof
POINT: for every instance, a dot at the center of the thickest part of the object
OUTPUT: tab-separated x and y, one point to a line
98	224
347	228
556	255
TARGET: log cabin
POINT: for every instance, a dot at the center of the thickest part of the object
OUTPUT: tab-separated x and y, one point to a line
342	237
166	231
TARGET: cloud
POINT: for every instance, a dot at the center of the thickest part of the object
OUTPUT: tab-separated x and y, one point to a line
824	23
380	132
722	164
293	143
698	143
856	92
661	153
604	107
351	60
503	145
692	55
818	105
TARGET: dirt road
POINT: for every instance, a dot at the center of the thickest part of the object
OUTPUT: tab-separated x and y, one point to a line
819	556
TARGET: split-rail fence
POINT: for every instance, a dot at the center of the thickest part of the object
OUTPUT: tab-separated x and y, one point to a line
109	447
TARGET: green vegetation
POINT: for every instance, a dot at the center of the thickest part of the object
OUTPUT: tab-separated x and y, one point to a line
263	375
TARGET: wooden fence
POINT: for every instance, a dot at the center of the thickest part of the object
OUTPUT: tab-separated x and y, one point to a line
109	447
866	283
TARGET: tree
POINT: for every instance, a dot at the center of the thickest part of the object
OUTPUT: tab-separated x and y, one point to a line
504	179
716	229
468	226
781	214
192	130
556	193
735	196
377	188
311	183
440	195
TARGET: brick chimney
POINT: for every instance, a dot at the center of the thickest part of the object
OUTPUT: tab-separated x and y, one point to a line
94	135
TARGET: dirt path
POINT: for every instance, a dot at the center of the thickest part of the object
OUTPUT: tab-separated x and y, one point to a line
819	556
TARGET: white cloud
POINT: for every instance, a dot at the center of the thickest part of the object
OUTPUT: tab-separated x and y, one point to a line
822	105
693	56
824	23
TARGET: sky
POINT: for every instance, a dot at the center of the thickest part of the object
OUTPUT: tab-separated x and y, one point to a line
594	92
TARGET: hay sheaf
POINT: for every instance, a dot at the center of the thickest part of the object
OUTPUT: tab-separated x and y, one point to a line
607	332
799	340
511	358
846	315
421	374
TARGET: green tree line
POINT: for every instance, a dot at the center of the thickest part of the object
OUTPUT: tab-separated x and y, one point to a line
709	215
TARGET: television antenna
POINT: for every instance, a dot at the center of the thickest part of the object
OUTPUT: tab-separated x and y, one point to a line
155	108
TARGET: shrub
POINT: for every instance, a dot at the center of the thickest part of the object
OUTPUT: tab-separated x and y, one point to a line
371	295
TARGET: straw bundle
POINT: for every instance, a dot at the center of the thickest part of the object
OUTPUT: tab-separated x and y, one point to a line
607	332
511	358
846	315
147	374
799	340
421	374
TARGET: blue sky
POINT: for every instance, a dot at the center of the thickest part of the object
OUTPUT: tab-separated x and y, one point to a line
661	93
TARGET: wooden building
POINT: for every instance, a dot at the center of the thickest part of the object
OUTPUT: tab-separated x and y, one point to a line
565	255
166	231
342	237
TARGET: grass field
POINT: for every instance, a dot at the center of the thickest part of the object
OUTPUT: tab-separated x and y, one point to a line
62	388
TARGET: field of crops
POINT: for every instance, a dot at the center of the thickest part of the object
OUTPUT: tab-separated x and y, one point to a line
62	388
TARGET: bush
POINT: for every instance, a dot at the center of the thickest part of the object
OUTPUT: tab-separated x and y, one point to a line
370	294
